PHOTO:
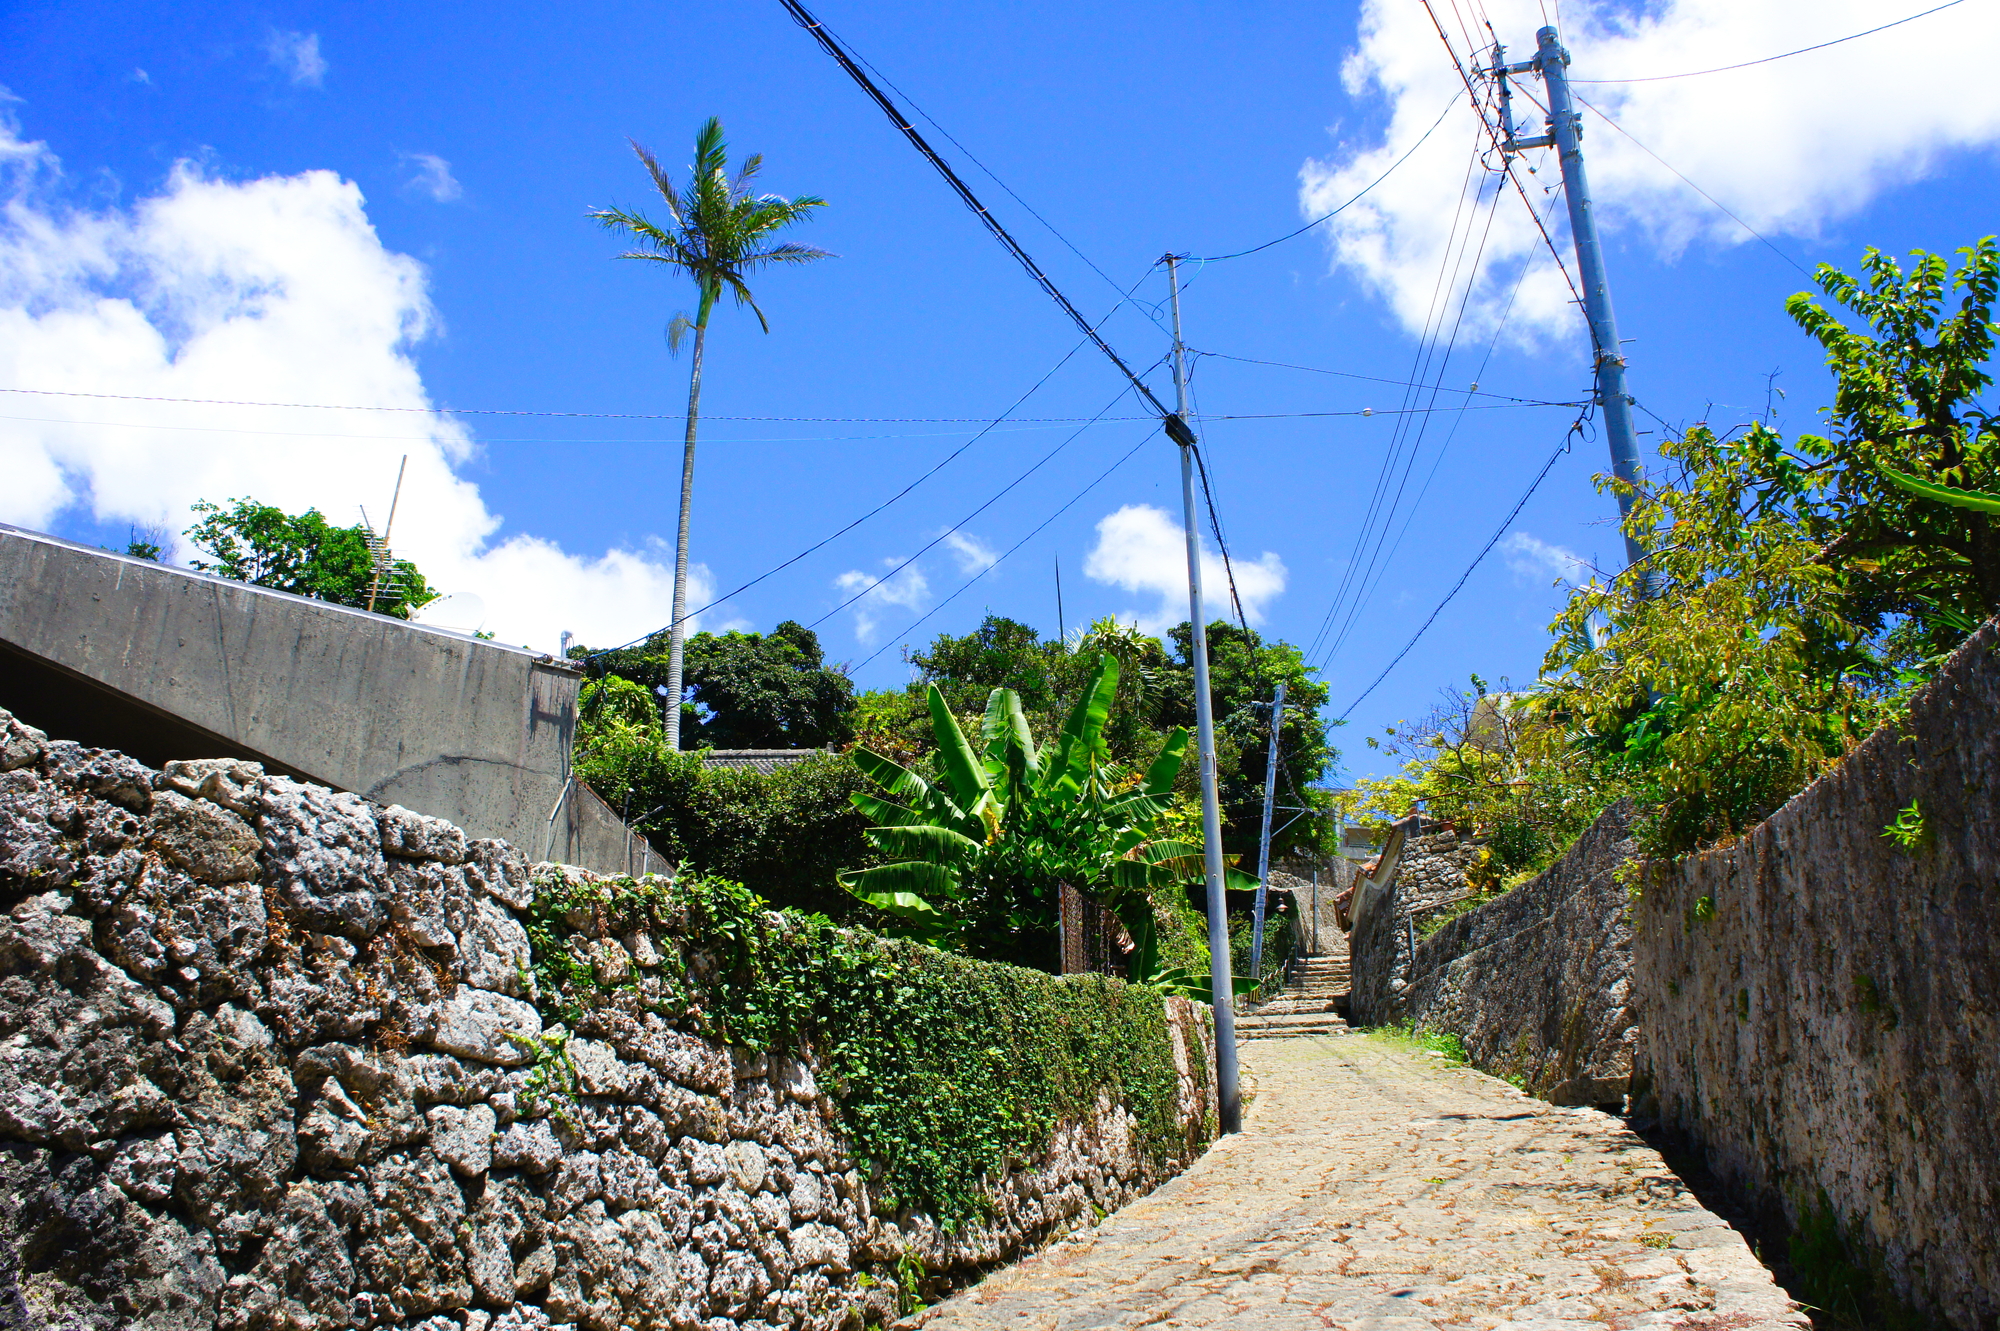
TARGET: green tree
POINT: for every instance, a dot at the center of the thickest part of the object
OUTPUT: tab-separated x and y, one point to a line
301	553
1804	587
768	691
1243	673
718	231
747	690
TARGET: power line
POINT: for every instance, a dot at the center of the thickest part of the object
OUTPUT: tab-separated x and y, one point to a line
994	499
1748	64
1370	378
1458	586
1691	185
1176	429
1071	503
834	48
1324	217
577	415
823	543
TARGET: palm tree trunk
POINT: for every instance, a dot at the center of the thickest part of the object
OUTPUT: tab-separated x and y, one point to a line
677	634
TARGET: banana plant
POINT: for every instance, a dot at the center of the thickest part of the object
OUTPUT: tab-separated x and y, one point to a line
1036	817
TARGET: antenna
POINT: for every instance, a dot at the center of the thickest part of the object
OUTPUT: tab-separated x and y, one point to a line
380	546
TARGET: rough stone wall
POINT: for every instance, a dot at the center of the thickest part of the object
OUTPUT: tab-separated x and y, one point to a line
1822	1007
272	1059
1537	982
1429	874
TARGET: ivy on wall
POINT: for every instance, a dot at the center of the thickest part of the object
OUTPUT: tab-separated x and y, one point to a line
944	1070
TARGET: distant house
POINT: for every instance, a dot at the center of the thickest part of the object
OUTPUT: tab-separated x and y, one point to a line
756	760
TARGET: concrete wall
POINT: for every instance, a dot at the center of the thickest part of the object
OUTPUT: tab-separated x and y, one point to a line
1821	1007
1537	982
165	663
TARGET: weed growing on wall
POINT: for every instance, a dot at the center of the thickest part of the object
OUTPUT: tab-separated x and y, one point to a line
944	1070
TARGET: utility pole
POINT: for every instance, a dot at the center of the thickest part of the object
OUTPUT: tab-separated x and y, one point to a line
1264	836
1062	631
1565	135
1222	989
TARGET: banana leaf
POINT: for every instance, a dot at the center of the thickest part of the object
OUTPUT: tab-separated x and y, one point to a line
1160	776
899	888
935	845
962	768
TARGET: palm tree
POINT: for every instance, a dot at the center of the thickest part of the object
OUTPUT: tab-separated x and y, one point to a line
719	232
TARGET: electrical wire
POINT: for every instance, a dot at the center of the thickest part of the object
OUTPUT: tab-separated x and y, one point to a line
1393	474
828	540
1323	217
1039	528
1787	55
838	51
1459	586
1386	554
576	415
1696	188
1370	378
990	502
1176	429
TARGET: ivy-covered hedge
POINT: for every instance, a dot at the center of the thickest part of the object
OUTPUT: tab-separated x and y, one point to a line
944	1069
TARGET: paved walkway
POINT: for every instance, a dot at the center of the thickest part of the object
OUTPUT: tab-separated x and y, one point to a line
1374	1189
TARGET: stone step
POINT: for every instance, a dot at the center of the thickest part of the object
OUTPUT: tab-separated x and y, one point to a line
1287	1025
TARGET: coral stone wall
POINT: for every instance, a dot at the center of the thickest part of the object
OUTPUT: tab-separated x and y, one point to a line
1430	873
278	1057
1538	981
1821	1005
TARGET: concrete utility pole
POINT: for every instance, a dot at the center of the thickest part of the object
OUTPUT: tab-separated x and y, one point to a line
1607	354
1222	989
1264	836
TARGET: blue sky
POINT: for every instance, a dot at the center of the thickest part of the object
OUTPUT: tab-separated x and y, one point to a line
386	206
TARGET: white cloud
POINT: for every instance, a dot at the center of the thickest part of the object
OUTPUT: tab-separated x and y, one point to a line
141	76
273	290
906	589
296	54
1787	146
431	175
973	555
1532	557
1142	549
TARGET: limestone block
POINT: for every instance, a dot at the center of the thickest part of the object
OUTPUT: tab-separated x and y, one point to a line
225	781
501	870
104	773
486	1027
417	836
325	856
528	1146
205	839
21	745
463	1138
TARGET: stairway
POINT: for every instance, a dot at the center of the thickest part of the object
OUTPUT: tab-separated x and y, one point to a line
1311	1006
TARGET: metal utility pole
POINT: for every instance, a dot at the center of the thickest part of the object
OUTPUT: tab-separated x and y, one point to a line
1264	836
1222	989
1607	354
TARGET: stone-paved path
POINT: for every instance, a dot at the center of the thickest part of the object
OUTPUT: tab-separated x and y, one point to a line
1375	1189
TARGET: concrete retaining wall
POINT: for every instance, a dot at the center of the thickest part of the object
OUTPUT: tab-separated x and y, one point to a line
1821	1007
162	662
